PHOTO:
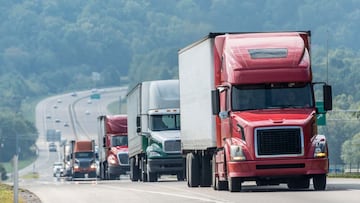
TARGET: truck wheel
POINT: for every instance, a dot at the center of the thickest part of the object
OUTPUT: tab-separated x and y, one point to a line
216	184
144	175
134	170
152	177
180	176
319	182
205	171
193	172
112	177
299	183
234	184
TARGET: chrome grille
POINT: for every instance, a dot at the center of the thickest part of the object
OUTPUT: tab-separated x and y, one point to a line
172	146
123	158
84	164
279	142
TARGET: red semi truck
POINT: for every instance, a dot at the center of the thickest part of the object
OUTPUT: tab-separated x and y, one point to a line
113	150
248	111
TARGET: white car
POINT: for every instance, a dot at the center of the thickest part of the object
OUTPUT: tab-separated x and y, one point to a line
58	169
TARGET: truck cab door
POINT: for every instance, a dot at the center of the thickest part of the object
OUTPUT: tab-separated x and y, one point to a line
224	114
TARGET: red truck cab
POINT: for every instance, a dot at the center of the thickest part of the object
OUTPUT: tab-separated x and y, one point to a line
113	153
83	161
267	129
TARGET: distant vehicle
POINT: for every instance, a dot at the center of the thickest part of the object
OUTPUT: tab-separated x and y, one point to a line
55	106
73	94
52	147
89	101
48	117
82	159
59	101
66	124
58	169
57	120
87	112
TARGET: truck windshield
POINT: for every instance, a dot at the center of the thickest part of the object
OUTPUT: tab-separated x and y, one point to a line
84	154
274	95
165	122
119	141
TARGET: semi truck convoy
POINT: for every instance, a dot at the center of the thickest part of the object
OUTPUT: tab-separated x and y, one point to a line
248	111
154	131
82	159
113	146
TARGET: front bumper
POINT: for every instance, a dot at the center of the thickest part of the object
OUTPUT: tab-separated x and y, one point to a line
119	169
166	166
269	168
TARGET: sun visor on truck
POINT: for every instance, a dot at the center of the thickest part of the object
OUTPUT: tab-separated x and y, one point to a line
116	124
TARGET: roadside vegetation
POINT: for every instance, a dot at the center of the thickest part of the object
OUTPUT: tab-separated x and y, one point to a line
344	175
7	195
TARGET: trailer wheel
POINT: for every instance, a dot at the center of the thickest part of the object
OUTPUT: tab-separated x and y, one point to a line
319	182
193	172
205	171
234	184
134	170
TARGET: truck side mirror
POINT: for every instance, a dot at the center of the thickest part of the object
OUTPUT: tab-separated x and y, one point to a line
215	101
327	97
138	124
104	142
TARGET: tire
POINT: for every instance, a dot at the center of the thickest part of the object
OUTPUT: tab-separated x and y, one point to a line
234	184
205	177
152	177
180	176
143	170
214	179
216	184
193	171
113	177
319	182
299	183
134	170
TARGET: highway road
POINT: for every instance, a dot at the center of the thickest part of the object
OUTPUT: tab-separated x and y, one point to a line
57	190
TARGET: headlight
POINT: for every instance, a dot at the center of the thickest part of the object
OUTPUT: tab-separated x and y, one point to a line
236	153
112	160
93	165
320	150
154	154
76	165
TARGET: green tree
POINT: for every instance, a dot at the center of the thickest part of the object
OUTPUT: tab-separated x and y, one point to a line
351	150
14	128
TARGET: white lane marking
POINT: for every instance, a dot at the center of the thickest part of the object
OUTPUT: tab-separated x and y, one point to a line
170	194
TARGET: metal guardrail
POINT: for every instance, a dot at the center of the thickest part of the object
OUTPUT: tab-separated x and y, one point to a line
344	168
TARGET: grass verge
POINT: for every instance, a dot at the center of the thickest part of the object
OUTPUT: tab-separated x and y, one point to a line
7	194
344	175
